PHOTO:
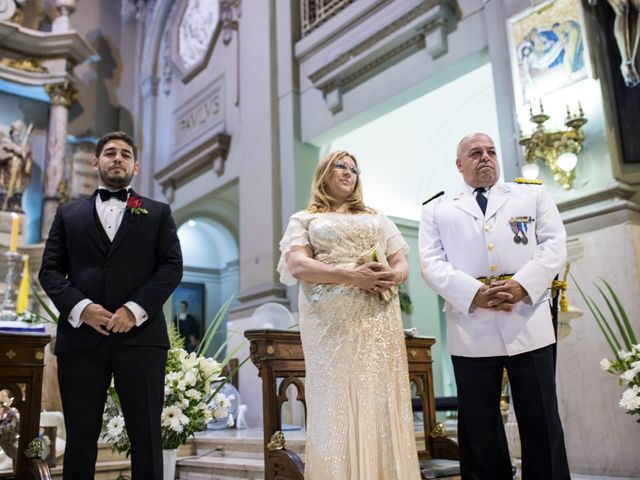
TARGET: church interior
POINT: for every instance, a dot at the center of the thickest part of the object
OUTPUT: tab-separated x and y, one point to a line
232	104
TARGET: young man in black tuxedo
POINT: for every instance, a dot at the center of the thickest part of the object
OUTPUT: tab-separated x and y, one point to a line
109	264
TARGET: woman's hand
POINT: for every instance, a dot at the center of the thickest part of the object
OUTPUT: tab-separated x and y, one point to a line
373	277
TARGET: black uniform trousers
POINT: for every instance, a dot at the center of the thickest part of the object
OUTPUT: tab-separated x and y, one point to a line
84	378
484	453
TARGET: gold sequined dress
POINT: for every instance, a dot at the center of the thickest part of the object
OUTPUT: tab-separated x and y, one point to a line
359	419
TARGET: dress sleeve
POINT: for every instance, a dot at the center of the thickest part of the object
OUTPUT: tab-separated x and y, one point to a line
393	241
297	233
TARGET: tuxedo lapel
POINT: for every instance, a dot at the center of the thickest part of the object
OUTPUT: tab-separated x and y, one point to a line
467	202
123	229
499	194
88	219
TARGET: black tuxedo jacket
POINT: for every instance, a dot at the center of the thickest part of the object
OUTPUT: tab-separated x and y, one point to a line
142	264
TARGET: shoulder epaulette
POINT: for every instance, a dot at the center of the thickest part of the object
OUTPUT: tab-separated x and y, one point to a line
527	181
433	198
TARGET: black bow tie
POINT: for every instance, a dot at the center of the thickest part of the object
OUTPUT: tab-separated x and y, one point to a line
107	194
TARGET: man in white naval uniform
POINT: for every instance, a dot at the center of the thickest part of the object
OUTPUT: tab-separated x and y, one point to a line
491	250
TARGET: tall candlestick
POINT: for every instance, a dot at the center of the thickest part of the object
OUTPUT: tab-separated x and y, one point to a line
22	301
15	225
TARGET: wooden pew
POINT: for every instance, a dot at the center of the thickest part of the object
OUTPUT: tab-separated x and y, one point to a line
21	365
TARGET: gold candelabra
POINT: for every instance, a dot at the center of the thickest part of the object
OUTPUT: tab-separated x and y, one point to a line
558	150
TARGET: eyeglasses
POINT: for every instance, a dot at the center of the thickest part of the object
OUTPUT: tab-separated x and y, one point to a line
343	166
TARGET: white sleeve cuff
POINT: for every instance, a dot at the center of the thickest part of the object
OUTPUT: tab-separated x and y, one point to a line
138	312
74	316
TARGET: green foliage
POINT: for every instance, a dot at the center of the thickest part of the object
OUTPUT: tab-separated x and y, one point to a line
189	402
175	339
406	305
623	344
627	338
32	317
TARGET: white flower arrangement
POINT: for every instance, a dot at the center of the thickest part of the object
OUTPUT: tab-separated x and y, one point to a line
190	401
625	348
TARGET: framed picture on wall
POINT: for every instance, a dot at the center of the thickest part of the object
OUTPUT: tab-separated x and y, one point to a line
193	294
548	49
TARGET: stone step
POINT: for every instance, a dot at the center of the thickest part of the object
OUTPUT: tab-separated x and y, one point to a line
105	470
220	468
248	443
110	465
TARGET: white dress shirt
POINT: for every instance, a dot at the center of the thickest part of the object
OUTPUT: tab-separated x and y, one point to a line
110	213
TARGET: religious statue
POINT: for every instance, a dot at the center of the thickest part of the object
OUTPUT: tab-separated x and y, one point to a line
15	165
626	30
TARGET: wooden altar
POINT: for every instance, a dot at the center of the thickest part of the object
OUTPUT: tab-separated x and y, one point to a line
21	365
278	356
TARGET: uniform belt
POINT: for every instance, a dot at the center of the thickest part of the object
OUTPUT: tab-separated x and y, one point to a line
494	278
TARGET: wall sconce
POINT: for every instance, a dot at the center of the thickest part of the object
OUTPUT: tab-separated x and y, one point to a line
557	150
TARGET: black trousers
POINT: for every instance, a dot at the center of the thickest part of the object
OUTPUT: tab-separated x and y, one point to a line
84	378
484	453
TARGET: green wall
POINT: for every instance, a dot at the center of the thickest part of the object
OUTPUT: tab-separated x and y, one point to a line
427	317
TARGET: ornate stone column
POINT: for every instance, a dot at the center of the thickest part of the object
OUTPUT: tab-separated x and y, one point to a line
61	94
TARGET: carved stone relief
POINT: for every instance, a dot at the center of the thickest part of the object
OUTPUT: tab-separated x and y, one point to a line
196	30
194	35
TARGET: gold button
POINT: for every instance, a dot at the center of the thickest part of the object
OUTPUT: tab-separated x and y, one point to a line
487	228
493	268
490	246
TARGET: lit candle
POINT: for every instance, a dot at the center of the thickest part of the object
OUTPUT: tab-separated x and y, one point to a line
15	224
22	302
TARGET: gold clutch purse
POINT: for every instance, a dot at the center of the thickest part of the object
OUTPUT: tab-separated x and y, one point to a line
376	254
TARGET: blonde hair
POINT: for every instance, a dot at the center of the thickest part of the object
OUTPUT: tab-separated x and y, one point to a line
321	201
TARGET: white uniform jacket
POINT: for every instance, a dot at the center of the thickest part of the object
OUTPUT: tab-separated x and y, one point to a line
458	244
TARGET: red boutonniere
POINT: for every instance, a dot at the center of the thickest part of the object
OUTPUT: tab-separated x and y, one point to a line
134	204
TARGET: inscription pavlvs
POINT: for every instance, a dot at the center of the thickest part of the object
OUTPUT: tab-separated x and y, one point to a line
202	115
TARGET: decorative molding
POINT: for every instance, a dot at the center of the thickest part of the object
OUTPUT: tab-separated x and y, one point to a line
45	45
63	94
167	67
136	10
149	87
211	155
230	12
609	192
24	64
601	207
365	47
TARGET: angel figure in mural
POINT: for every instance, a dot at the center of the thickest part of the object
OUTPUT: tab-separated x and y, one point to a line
543	50
15	165
626	30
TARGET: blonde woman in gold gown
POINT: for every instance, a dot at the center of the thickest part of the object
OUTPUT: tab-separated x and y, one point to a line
359	419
